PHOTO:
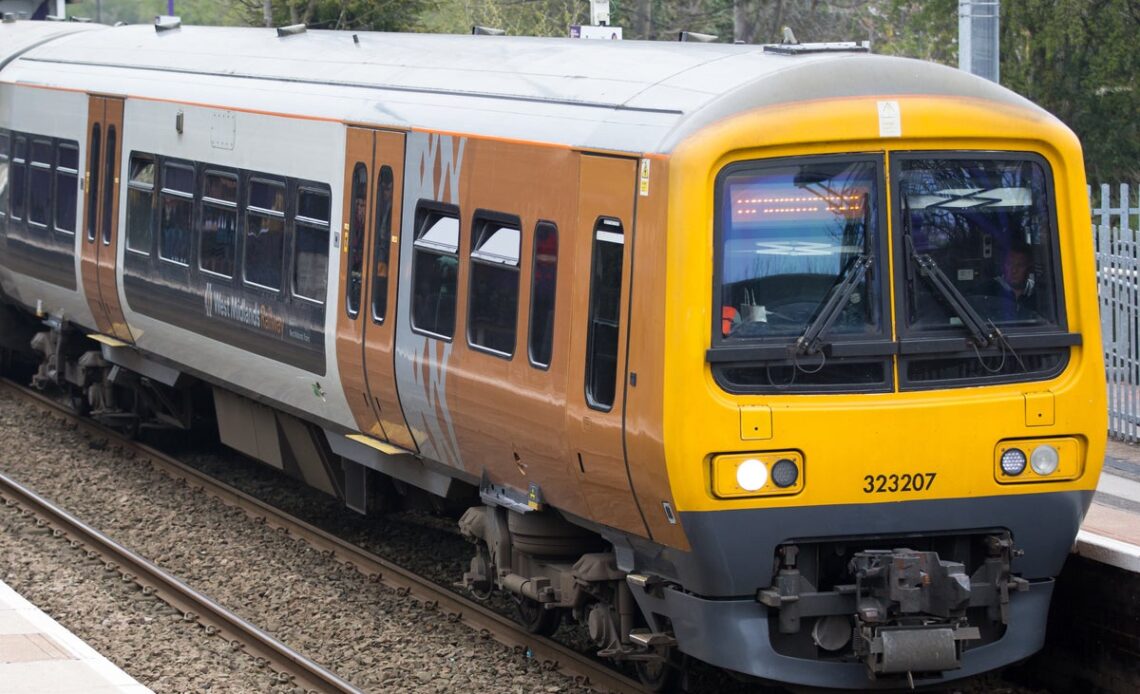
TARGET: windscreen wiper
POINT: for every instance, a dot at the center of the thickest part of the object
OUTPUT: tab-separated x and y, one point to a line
811	342
981	331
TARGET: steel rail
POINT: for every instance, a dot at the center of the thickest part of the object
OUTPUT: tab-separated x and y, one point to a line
489	624
194	605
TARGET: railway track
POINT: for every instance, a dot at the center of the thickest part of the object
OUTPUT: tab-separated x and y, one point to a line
288	663
197	607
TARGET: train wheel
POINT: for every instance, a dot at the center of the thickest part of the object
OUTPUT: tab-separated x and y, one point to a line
535	618
658	675
79	404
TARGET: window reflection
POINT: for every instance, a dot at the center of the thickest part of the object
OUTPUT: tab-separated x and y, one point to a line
792	232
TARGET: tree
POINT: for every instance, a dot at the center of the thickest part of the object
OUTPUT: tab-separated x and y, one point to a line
1077	59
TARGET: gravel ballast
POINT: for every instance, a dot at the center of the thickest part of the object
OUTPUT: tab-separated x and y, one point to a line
366	633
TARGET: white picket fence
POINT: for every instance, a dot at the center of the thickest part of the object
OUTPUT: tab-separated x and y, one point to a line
1116	229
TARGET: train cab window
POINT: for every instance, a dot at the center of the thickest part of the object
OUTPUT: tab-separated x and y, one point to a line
493	297
801	302
93	181
265	234
605	314
5	163
357	213
66	186
544	280
979	255
382	244
109	183
39	184
311	247
435	269
19	177
140	204
177	208
218	237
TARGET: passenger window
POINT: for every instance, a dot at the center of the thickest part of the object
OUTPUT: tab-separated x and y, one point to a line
5	154
39	184
605	318
140	204
19	177
109	184
265	234
435	267
494	291
218	240
177	208
93	187
66	186
357	212
544	279
382	244
311	248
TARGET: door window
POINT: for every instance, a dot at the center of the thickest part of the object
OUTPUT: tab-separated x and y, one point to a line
605	314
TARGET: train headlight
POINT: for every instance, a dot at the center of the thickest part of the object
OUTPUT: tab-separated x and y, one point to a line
752	475
756	474
785	473
1044	460
1013	462
1039	461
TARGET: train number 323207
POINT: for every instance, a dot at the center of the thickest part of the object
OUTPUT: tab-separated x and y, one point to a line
906	482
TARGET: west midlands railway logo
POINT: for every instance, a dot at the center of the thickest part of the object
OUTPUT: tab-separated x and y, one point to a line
235	308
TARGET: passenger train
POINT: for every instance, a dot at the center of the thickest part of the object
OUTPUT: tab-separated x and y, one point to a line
781	358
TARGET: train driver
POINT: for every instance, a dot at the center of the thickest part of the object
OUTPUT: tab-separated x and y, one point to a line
1015	286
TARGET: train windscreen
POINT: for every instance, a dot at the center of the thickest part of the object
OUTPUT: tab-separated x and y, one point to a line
796	237
985	226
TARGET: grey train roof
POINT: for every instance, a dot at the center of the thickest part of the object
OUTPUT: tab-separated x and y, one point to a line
637	96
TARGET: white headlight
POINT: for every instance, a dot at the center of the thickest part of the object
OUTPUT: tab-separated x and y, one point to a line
751	475
1044	460
1013	462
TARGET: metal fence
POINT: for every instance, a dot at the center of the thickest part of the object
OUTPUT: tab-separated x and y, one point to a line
1116	229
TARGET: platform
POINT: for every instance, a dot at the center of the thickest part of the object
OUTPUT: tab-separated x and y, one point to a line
1111	531
38	656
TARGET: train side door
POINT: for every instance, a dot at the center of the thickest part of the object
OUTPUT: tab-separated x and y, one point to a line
365	335
99	257
596	394
383	265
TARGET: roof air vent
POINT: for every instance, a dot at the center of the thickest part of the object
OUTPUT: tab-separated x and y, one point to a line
487	31
802	48
291	30
696	37
167	22
9	17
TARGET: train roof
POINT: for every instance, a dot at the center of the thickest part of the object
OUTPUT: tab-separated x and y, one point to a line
637	96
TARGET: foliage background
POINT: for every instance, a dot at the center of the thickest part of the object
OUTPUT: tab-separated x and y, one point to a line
1076	58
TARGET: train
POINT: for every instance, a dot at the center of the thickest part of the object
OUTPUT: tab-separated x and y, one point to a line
785	359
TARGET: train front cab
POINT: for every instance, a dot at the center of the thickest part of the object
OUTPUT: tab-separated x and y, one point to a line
892	441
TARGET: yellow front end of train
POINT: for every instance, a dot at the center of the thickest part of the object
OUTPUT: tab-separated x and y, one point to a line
883	350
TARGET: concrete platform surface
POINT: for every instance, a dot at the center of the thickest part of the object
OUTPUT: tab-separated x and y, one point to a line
1111	531
39	656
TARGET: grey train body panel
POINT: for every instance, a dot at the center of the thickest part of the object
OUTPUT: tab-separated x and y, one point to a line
734	634
733	551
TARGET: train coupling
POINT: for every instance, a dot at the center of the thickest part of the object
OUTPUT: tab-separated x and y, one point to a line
899	611
910	611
